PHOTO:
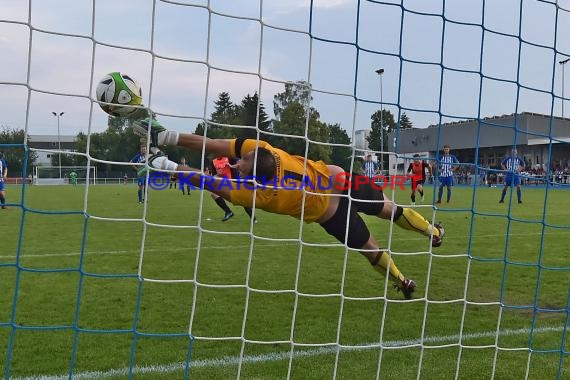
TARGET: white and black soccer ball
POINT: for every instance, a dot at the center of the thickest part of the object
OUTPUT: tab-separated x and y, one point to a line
120	89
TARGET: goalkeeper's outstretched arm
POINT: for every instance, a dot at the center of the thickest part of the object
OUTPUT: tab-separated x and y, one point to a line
218	147
160	136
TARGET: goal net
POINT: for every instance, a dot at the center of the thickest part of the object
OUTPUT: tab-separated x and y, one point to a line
56	175
146	281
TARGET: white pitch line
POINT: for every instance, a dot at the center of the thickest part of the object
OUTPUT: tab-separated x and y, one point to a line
277	356
117	252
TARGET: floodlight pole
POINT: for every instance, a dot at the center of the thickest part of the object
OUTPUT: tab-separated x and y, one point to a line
58	115
380	72
563	63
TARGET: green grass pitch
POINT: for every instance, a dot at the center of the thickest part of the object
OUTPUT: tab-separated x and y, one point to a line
511	255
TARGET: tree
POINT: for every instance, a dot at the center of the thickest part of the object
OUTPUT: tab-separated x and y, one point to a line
291	108
382	123
246	114
249	115
223	105
225	112
320	132
299	92
293	122
16	154
66	159
340	156
388	125
117	143
405	122
79	146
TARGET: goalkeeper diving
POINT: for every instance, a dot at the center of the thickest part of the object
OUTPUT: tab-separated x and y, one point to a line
333	205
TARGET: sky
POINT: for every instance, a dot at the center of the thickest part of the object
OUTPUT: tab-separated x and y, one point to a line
443	60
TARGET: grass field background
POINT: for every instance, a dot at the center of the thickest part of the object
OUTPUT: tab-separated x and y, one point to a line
250	289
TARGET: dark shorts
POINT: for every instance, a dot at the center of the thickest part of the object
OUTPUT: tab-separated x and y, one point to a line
446	181
347	218
416	183
368	193
512	180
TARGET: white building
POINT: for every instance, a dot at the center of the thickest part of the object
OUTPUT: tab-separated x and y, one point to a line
541	141
50	142
361	142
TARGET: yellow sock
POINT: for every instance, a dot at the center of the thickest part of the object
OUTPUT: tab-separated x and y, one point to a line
384	261
413	221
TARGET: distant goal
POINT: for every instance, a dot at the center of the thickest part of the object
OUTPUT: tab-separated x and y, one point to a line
55	175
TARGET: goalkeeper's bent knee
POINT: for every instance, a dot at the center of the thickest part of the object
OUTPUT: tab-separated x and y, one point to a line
410	219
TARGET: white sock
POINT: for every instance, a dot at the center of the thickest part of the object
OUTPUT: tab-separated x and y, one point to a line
168	138
163	163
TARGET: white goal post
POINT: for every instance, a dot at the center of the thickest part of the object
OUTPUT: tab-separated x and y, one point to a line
55	175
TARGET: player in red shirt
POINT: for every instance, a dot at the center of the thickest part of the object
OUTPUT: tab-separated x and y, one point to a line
223	168
418	169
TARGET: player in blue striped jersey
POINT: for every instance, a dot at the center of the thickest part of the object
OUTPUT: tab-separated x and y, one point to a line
369	167
139	159
513	164
3	177
447	165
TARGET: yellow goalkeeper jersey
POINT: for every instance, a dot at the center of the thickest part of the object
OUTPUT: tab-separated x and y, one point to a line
284	193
